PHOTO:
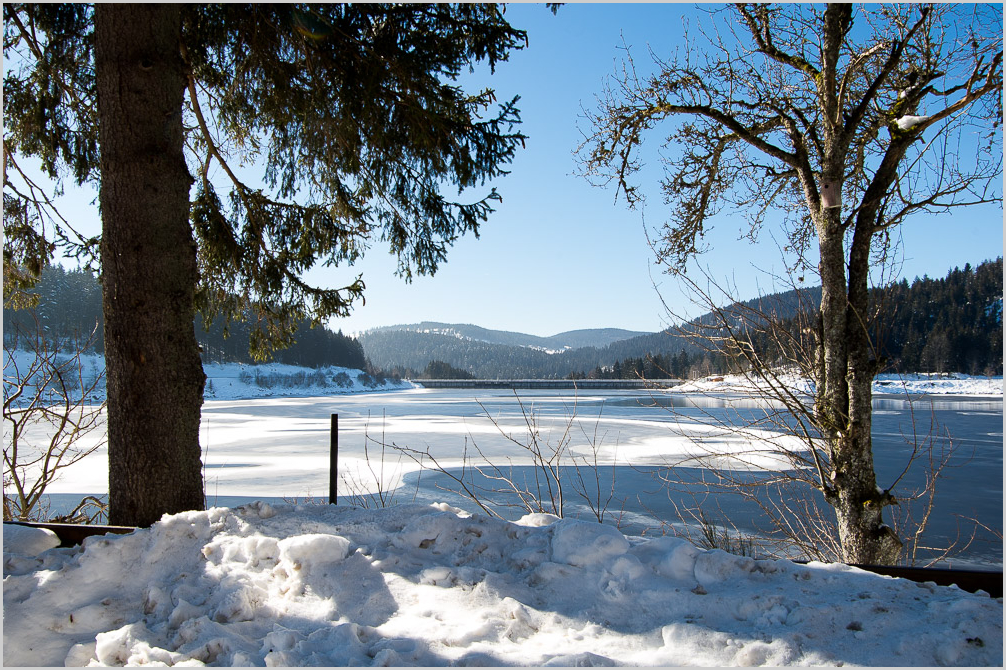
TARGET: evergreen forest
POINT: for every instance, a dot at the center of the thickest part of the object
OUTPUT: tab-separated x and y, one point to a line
953	324
69	311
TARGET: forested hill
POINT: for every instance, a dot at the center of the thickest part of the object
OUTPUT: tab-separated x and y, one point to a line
954	324
69	308
951	324
935	325
574	339
408	349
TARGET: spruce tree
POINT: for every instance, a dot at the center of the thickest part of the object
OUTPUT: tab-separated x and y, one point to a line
362	132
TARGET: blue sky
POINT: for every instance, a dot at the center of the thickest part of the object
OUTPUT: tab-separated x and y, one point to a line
560	254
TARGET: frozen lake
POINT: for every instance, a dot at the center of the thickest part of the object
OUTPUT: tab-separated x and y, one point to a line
279	449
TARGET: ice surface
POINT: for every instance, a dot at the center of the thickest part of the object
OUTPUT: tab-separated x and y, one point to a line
415	585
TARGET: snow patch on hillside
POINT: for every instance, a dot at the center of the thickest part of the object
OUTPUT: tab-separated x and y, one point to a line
550	352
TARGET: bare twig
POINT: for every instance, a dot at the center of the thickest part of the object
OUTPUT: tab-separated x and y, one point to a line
49	414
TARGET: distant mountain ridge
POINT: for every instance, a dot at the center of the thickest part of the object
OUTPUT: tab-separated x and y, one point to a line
501	354
933	325
496	354
573	339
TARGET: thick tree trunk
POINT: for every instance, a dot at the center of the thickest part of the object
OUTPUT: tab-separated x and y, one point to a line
844	401
154	375
845	365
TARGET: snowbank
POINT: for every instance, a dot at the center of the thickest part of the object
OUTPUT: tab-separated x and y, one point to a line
946	384
742	385
237	381
415	585
27	541
913	384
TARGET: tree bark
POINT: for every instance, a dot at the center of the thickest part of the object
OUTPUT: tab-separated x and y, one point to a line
154	374
846	365
844	397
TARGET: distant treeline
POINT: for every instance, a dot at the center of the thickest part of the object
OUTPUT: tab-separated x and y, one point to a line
949	325
953	324
660	366
69	310
441	370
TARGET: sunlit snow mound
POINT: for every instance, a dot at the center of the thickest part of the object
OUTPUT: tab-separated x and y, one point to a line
413	585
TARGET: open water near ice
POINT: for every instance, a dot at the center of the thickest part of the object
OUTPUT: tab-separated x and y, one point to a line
646	498
277	449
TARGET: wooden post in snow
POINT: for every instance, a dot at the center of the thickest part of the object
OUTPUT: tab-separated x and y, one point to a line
333	469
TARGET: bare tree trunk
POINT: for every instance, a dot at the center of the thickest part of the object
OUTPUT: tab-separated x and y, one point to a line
155	378
844	401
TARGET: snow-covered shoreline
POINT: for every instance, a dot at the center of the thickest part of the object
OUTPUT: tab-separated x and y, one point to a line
236	381
239	381
431	585
887	384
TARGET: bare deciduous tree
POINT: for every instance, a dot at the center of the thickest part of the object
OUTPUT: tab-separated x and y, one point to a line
782	475
846	121
48	417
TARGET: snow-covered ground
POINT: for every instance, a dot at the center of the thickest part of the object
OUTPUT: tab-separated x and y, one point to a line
415	585
297	585
236	381
947	384
913	384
